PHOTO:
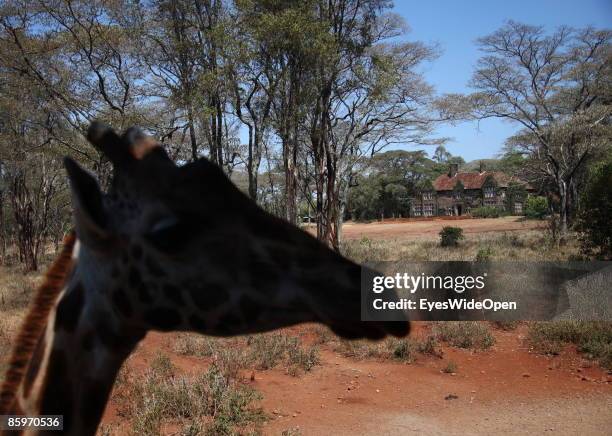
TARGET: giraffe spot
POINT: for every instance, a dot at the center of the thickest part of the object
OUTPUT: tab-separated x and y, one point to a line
69	309
154	268
134	278
280	258
174	294
250	309
264	277
88	341
34	366
163	318
57	393
122	302
197	323
209	296
143	294
136	251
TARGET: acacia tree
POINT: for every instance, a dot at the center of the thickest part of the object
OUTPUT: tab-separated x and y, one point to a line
556	87
368	95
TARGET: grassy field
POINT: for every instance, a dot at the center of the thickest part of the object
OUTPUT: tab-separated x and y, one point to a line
159	391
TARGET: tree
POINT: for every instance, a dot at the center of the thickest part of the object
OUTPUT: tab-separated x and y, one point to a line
556	88
441	155
596	212
368	94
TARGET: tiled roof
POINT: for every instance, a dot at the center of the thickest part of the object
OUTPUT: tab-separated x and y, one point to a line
473	180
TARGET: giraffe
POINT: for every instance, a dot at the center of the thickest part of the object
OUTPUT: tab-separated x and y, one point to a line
167	248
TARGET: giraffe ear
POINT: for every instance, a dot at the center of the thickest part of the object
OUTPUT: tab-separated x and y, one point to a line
90	217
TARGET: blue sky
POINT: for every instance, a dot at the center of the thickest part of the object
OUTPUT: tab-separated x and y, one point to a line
455	25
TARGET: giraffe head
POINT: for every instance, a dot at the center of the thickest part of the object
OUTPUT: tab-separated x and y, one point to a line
166	248
181	248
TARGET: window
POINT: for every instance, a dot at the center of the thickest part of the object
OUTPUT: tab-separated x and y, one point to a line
427	196
428	210
418	210
489	192
518	208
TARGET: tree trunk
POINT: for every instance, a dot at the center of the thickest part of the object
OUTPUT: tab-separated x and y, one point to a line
563	206
254	159
192	135
24	217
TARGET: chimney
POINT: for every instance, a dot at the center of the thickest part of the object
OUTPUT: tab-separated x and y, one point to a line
454	167
481	167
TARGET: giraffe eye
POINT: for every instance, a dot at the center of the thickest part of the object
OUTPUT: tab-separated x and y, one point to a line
167	234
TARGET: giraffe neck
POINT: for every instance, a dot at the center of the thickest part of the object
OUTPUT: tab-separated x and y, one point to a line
67	354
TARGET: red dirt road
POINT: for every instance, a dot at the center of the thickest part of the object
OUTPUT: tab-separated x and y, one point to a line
505	390
430	229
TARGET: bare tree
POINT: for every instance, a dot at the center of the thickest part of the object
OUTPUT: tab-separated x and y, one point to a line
557	89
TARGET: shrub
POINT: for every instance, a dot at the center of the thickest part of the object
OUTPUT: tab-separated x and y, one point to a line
484	254
402	349
486	212
536	207
450	368
223	404
465	334
593	338
596	213
450	236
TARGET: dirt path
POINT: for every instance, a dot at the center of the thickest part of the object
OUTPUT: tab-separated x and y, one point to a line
429	229
503	390
506	389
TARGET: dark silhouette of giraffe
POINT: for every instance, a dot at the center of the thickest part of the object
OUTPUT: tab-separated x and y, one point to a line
172	249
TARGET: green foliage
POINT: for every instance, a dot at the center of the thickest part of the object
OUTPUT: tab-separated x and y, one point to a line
392	179
484	254
536	207
595	216
486	212
450	236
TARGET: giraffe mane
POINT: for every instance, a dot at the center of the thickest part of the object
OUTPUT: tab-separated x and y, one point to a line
35	323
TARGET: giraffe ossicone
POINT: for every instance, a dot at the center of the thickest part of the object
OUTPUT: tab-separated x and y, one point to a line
168	248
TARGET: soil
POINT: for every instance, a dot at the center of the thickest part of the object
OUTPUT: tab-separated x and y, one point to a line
506	389
427	229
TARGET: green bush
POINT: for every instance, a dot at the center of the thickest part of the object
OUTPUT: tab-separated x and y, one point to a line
484	254
596	213
486	212
536	208
450	236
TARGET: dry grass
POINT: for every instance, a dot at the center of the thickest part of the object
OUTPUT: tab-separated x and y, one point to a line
592	338
206	404
263	351
532	245
465	334
16	291
404	350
